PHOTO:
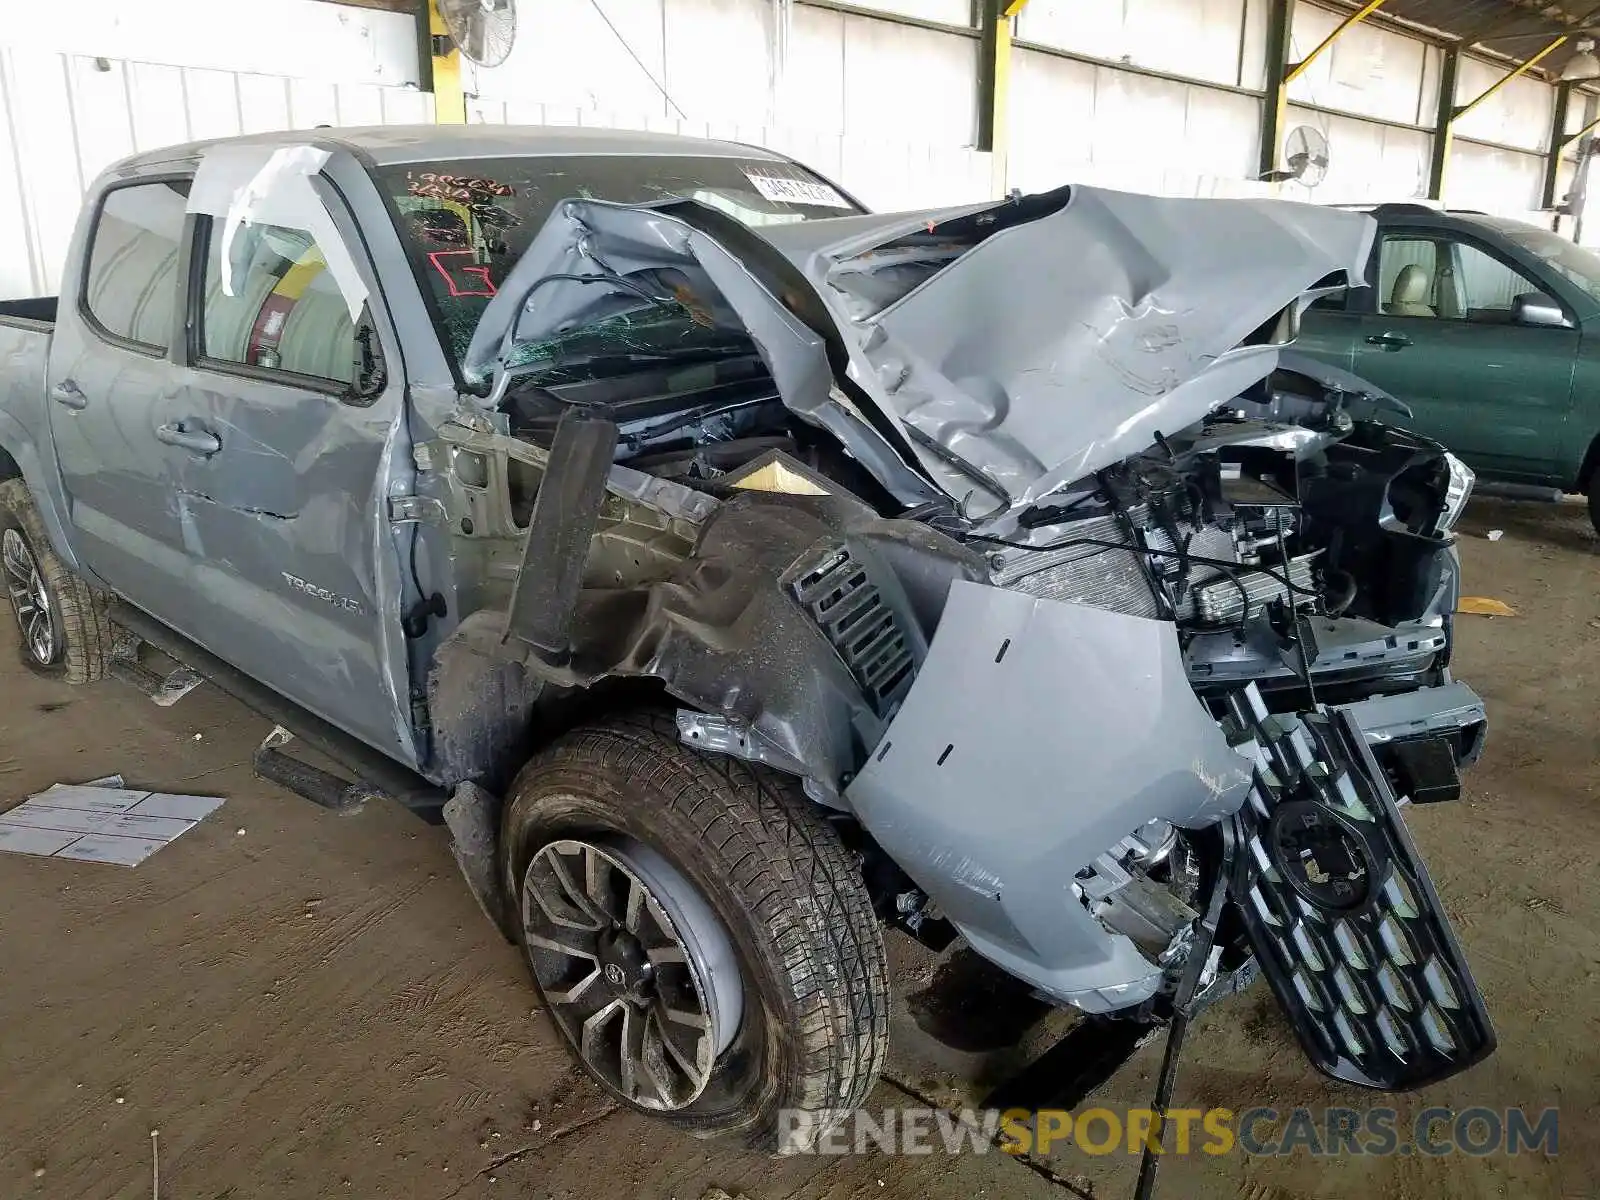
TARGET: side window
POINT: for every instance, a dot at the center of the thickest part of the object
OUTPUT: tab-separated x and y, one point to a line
1407	277
278	308
130	287
1481	287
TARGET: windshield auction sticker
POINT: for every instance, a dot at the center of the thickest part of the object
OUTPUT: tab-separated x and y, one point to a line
795	191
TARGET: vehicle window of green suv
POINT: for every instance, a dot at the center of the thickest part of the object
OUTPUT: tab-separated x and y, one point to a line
1427	274
1408	276
1485	288
1578	263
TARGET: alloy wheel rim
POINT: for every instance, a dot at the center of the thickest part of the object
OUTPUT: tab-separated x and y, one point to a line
634	965
30	598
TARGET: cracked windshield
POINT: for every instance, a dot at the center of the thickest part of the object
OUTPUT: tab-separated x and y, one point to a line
467	223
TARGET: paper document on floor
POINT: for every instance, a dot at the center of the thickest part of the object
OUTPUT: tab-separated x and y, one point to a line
96	823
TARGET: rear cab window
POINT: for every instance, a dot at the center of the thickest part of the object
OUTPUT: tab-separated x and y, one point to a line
467	222
130	285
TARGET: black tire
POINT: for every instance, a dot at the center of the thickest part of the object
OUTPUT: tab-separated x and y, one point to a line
1594	500
80	629
787	894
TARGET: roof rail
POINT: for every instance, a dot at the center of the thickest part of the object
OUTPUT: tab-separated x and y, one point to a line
1395	208
1410	206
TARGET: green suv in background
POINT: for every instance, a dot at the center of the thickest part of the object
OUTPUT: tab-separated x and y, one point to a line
1490	330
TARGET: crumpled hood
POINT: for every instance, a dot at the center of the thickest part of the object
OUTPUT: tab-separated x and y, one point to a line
1008	348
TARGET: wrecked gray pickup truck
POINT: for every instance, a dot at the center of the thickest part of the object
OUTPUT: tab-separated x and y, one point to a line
753	572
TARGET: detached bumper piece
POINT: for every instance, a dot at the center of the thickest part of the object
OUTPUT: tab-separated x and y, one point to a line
1452	714
1343	917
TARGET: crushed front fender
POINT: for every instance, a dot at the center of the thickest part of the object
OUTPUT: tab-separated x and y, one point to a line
1039	734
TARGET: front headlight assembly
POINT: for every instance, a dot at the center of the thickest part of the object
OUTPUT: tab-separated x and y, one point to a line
1457	492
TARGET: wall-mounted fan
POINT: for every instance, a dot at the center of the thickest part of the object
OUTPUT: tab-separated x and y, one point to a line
1305	153
484	30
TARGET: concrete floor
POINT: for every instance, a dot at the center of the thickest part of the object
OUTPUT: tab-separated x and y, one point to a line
312	1006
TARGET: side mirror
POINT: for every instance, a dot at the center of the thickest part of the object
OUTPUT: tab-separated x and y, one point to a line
1535	308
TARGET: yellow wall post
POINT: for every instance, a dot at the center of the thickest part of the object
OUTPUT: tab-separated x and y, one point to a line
1281	72
449	97
994	84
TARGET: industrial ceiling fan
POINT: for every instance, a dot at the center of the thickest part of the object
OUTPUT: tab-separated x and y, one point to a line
1305	158
484	30
1305	151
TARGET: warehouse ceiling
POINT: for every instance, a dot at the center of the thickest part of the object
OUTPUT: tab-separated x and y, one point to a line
402	6
1517	29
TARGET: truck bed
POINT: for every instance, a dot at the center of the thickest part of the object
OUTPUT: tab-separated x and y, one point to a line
36	312
26	328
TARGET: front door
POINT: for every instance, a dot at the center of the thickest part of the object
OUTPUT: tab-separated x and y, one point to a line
279	440
1442	336
279	432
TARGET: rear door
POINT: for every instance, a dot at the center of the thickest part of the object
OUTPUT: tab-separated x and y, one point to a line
109	370
280	436
1439	333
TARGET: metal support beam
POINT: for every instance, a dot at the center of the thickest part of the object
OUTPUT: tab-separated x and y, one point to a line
1558	143
1354	18
449	98
399	6
1582	133
1450	112
424	17
994	82
1281	72
1507	78
1279	17
1449	71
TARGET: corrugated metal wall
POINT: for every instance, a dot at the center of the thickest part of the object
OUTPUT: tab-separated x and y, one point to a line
887	110
1156	95
1367	94
1077	121
69	116
1375	94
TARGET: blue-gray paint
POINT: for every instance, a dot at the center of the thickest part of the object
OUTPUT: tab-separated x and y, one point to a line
1089	730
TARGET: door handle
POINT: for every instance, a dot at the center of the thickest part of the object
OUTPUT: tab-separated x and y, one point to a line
195	441
1389	341
69	395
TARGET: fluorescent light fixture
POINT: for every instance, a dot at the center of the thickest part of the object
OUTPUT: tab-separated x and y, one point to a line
1583	64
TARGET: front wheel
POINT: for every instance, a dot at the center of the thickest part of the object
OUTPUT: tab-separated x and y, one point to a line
1594	501
699	935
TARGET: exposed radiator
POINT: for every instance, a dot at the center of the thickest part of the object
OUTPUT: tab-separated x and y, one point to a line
1096	575
1115	579
1221	601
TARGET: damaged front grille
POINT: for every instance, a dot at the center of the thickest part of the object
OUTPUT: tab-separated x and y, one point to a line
1341	912
841	598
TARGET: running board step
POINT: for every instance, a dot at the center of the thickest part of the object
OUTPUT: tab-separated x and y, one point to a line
162	690
322	788
384	776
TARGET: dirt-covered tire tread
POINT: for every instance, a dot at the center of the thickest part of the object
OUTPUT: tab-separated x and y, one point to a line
85	624
789	868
